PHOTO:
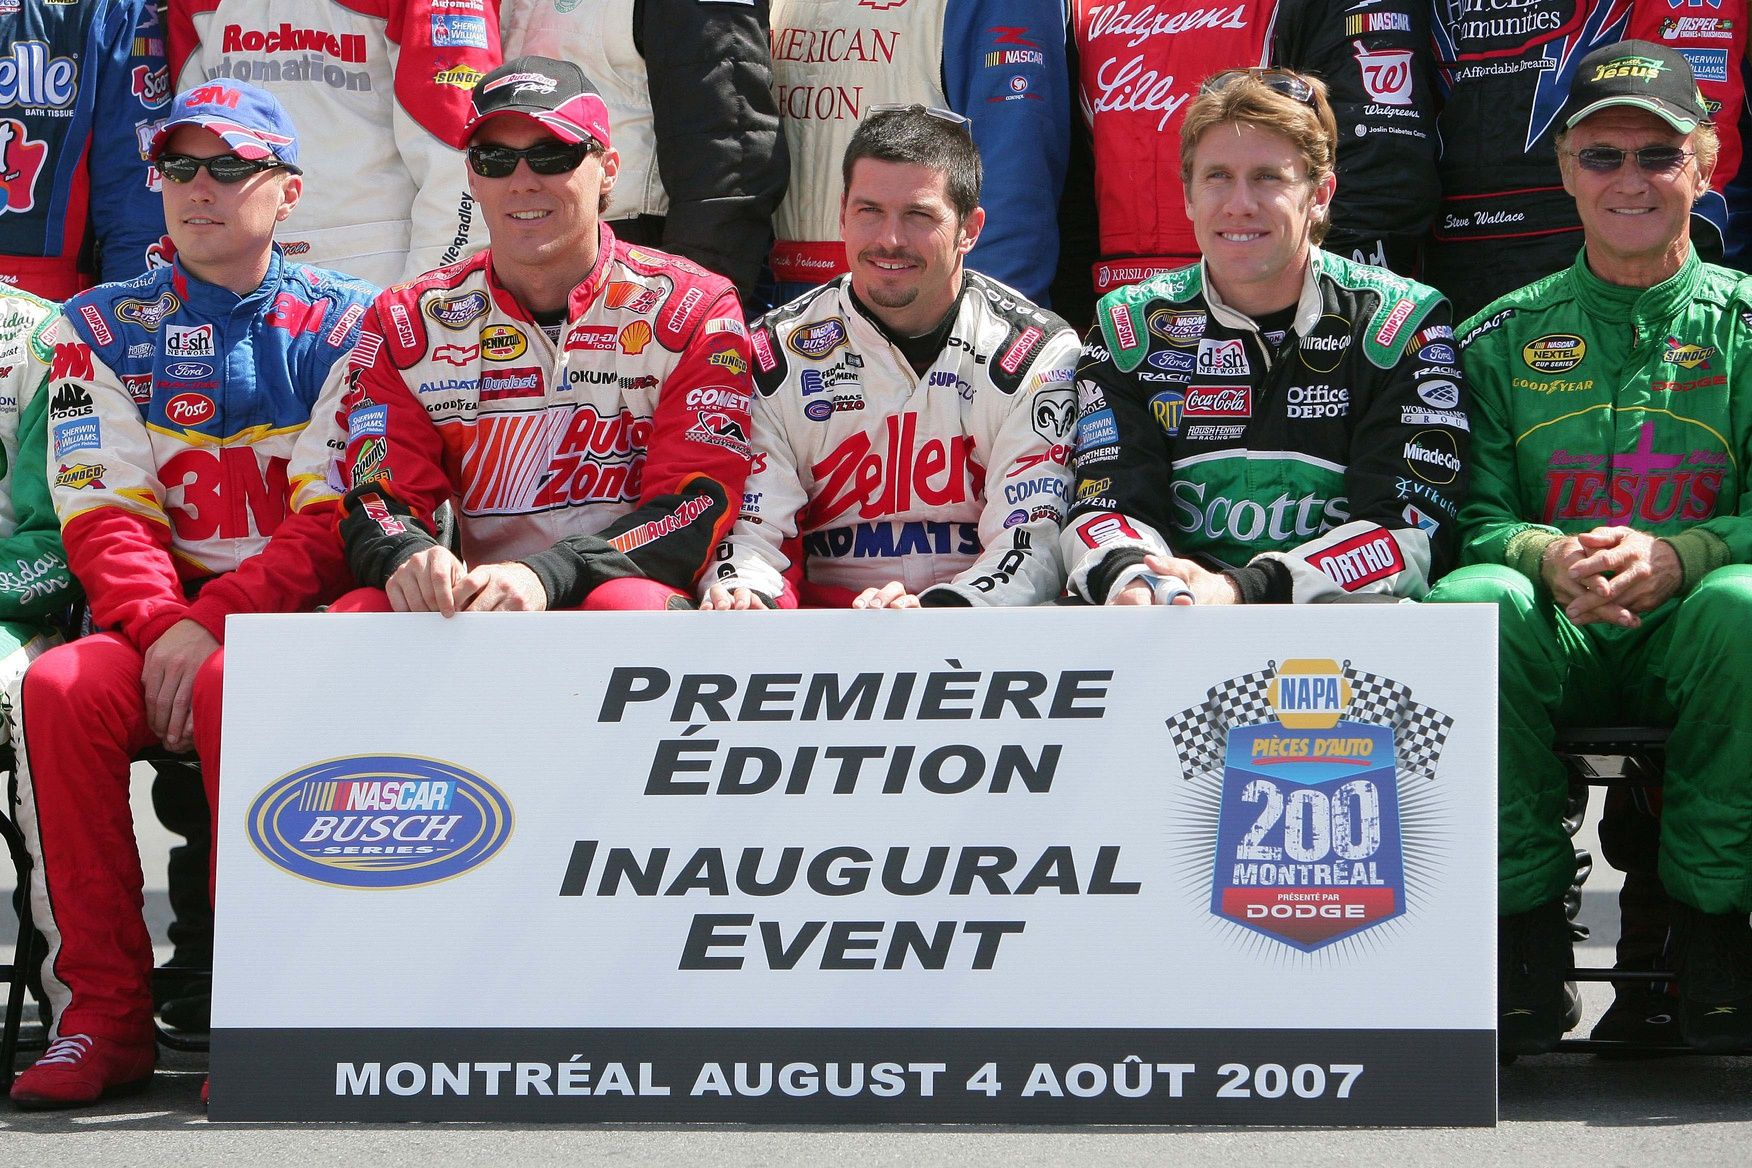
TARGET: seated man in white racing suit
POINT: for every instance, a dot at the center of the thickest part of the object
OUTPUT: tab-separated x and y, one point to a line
912	419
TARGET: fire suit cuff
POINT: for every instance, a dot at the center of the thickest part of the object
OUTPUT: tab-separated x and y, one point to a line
146	633
1105	576
561	574
942	596
210	615
1525	551
1700	553
1263	582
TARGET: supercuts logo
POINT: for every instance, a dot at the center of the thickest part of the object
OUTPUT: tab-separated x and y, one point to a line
379	821
902	474
1303	762
1224	401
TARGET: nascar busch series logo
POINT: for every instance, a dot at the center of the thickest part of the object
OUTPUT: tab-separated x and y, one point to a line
1312	763
379	821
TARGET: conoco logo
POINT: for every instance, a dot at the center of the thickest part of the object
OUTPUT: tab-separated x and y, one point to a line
189	409
1226	402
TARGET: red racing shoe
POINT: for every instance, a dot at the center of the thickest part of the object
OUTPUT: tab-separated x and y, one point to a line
78	1069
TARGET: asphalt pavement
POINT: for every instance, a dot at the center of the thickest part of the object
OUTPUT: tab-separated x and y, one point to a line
1555	1110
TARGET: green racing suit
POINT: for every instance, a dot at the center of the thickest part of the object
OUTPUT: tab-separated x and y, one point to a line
1601	405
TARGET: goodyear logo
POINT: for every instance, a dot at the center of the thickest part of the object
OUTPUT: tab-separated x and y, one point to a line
1309	694
379	821
1554	352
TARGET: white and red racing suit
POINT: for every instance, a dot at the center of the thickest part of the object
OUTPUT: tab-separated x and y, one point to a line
615	452
379	91
952	481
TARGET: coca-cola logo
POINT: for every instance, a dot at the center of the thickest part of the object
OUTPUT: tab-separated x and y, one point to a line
1229	401
189	409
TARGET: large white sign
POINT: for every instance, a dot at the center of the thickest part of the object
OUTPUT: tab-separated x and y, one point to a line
1158	865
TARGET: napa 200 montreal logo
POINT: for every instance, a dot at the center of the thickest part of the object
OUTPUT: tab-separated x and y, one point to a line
380	821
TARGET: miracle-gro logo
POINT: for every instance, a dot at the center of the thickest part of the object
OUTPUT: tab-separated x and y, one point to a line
380	821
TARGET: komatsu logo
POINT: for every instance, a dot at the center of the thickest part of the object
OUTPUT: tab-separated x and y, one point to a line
379	821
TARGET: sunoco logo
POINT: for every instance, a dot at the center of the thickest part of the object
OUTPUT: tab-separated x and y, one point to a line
1554	353
379	821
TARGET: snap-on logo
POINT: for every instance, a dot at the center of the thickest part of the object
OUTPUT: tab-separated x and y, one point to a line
379	821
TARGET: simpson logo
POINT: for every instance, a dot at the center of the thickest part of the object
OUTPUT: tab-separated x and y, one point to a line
181	340
1122	326
379	821
1554	352
503	342
594	338
1226	401
635	337
1178	328
683	307
404	325
449	354
1304	762
1677	353
503	384
100	328
1361	560
818	340
625	294
1395	319
189	409
457	312
729	359
148	314
337	336
762	344
1019	352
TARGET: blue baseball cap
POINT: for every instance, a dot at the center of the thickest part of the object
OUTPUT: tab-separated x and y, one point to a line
250	119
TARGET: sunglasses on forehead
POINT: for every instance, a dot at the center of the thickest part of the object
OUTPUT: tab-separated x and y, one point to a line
1291	85
225	168
1650	159
543	158
959	121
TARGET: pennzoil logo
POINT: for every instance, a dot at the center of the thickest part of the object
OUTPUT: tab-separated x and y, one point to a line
502	342
1308	763
1554	352
379	821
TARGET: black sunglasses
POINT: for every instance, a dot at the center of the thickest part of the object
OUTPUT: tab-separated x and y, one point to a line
543	158
1291	85
225	168
1650	159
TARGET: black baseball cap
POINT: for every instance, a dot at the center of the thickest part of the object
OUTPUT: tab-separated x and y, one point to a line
1639	74
554	93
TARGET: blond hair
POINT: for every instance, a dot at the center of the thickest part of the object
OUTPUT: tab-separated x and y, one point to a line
1246	100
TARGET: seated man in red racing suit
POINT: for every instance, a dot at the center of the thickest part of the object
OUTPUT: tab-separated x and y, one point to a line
190	485
581	403
914	419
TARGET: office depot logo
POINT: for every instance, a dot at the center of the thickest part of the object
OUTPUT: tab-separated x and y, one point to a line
379	821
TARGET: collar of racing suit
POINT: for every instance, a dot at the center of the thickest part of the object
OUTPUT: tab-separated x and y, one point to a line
1307	307
1654	306
214	300
920	351
583	294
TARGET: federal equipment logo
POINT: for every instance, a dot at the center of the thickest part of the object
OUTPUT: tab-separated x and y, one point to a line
1311	763
380	821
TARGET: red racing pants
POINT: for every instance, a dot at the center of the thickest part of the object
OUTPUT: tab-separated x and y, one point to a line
627	594
80	719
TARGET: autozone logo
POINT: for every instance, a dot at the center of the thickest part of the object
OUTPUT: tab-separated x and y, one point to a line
631	296
597	458
1227	401
905	473
1360	561
348	47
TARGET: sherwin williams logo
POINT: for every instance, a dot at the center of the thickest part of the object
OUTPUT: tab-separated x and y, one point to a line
380	821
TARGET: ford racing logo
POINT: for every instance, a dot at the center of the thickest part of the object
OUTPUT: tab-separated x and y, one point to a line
380	821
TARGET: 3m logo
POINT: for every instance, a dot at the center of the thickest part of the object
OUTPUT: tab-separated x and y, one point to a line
225	493
72	362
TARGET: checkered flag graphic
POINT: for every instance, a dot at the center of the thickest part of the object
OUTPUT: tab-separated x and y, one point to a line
1201	733
1419	731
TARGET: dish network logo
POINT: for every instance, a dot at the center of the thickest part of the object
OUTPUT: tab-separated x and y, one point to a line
905	473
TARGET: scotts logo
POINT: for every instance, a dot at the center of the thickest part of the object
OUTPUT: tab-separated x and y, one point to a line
501	342
189	409
379	821
1433	457
1231	401
1178	328
458	311
1687	356
148	314
818	340
1554	352
1643	68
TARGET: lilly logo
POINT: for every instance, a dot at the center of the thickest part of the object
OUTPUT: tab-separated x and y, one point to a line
380	821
